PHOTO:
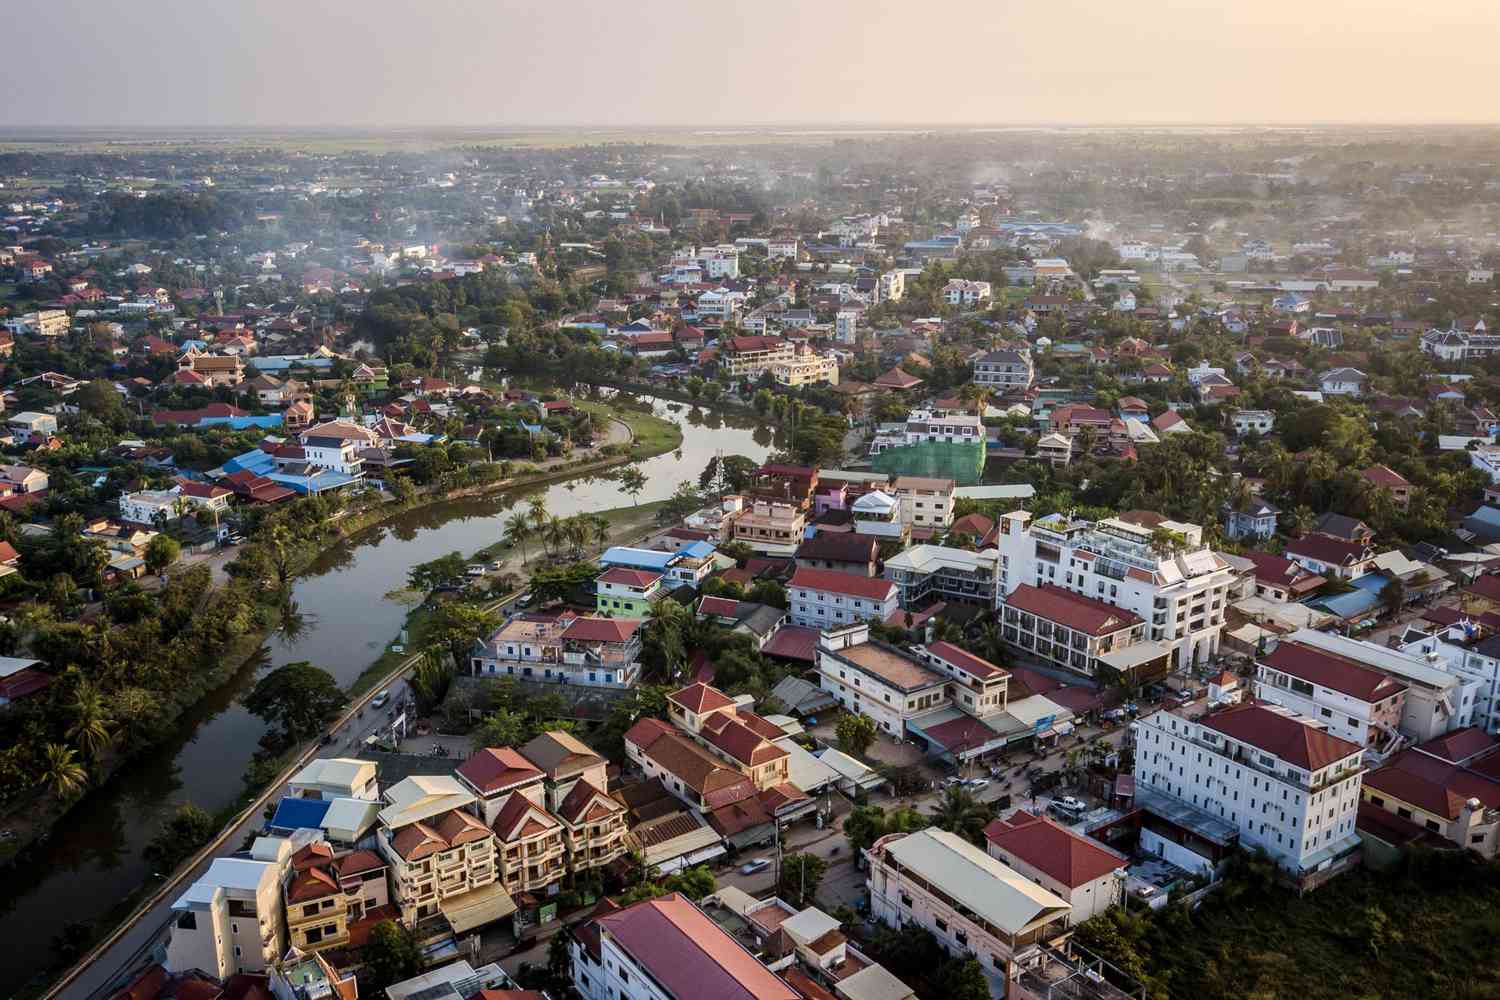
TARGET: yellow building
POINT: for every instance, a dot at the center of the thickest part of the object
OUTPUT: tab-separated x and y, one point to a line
806	368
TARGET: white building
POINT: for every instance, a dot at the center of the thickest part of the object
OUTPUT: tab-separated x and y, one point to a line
1342	382
1164	574
926	502
666	949
1284	782
151	506
1252	422
781	249
231	919
930	425
884	683
1438	699
328	778
1356	703
1082	871
1459	345
336	445
960	292
972	903
821	598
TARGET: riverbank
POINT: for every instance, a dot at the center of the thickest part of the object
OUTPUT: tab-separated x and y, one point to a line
78	878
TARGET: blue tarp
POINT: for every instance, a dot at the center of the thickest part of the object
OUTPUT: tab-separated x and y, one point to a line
240	423
299	814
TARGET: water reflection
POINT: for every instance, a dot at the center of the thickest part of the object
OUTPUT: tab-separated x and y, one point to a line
94	858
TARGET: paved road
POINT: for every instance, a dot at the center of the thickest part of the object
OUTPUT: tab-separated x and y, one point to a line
132	948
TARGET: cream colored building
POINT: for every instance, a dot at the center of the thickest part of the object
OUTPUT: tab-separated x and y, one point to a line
231	919
807	368
439	849
335	778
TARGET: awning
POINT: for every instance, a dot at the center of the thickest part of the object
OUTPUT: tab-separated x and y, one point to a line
677	864
1063	728
481	906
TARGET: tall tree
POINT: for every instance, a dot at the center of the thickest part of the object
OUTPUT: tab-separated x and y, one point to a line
517	530
299	698
61	773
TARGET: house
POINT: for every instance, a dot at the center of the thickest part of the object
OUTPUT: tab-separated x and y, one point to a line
22	479
821	598
327	778
151	506
1282	580
1170	422
1447	788
328	896
840	551
1331	557
1251	422
1055	449
1342	382
1383	477
29	423
1343	527
1282	782
429	826
1251	519
629	593
928	573
960	292
1075	868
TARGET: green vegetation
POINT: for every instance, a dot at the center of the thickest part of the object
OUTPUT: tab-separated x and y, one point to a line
297	699
1424	929
184	832
801	874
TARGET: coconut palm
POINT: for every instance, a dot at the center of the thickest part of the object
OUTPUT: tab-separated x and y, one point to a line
959	812
517	530
600	527
91	721
578	532
554	533
61	773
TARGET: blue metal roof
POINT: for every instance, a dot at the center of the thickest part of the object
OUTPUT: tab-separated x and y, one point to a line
633	558
300	814
698	550
1364	598
255	461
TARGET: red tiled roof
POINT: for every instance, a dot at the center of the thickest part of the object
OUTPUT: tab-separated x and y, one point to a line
700	698
1323	549
628	577
496	768
792	642
690	955
1487	586
1459	745
1294	742
592	629
358	862
1330	670
1056	851
1384	475
830	581
1434	785
722	607
1083	614
965	660
1282	572
897	379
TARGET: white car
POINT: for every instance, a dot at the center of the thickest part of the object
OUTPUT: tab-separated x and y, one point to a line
978	783
758	865
380	699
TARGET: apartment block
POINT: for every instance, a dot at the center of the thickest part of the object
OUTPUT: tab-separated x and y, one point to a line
1004	371
562	649
1081	634
231	919
1157	569
971	902
927	573
822	598
1284	782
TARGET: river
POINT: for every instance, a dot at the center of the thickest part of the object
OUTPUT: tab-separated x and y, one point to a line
93	859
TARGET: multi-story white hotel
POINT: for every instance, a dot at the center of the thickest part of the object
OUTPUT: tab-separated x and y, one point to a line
1284	782
1164	573
821	598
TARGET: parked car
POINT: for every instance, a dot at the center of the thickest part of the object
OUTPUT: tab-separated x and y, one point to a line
476	569
380	699
952	780
977	783
524	601
758	865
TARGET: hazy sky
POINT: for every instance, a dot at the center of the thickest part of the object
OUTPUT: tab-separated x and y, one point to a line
623	62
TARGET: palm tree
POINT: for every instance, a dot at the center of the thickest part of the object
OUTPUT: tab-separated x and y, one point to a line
576	528
61	773
554	532
959	812
601	530
517	530
90	721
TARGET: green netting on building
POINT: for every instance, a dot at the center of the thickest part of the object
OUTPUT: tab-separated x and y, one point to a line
962	462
